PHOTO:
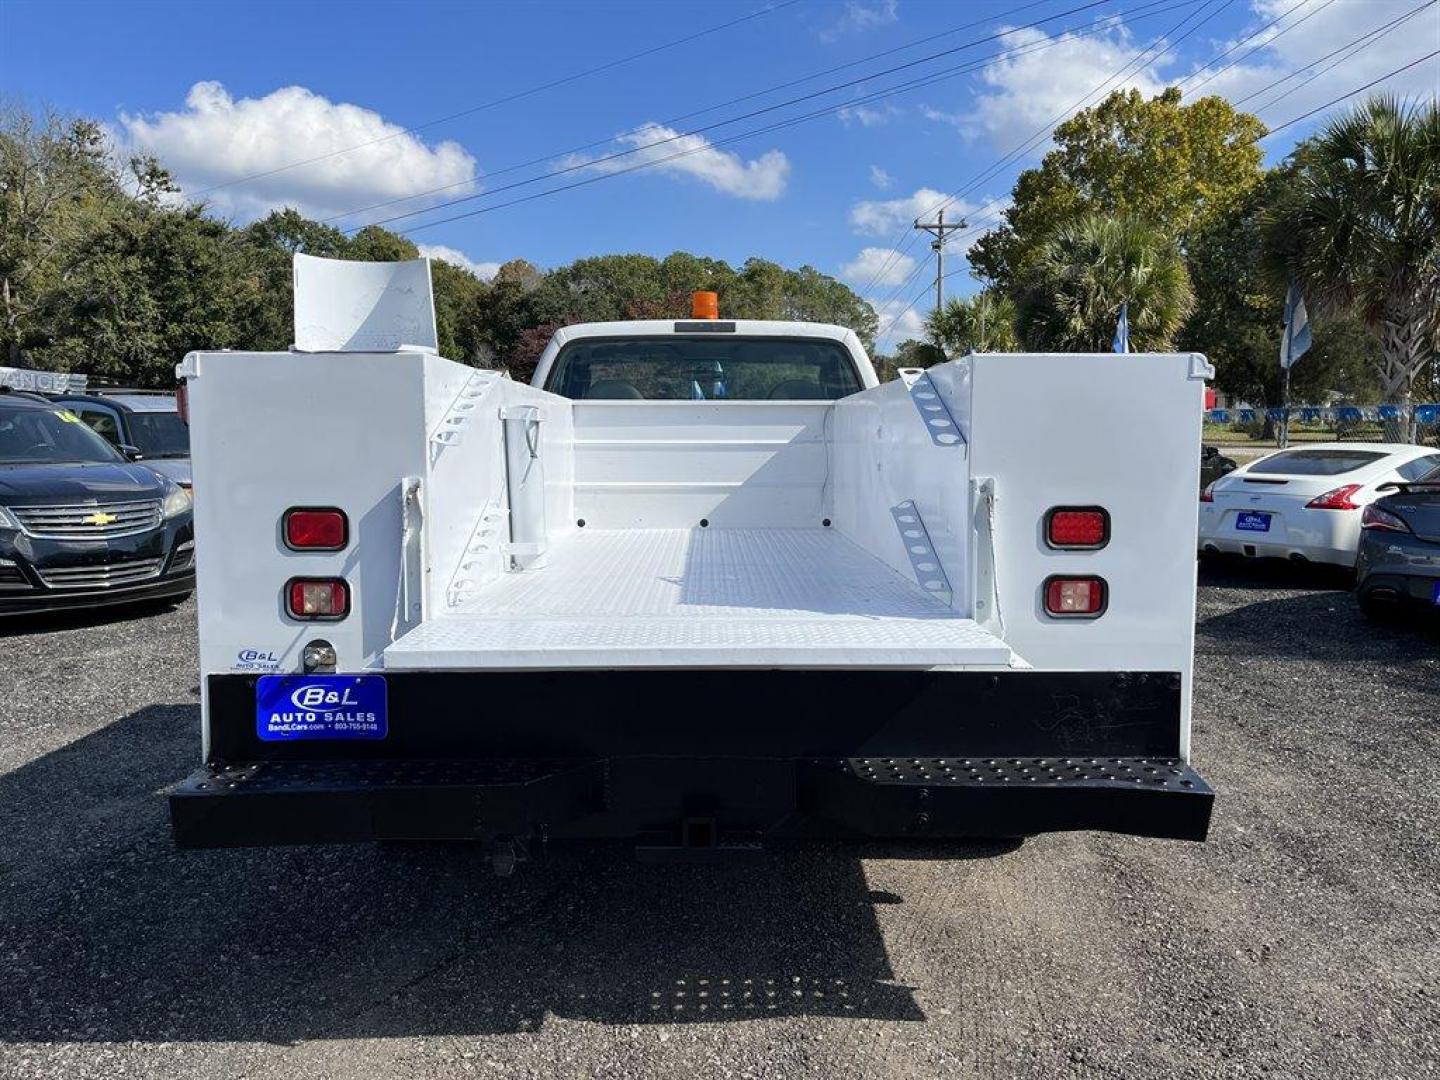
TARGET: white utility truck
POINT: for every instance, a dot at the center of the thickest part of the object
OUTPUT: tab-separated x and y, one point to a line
702	584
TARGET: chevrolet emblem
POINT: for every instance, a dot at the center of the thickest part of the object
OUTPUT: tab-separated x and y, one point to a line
100	517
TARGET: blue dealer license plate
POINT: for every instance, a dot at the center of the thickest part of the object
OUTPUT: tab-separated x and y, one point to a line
320	707
1252	521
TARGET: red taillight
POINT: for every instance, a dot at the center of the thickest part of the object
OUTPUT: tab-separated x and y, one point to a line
1075	597
1335	499
1376	518
316	528
1208	495
1077	527
317	598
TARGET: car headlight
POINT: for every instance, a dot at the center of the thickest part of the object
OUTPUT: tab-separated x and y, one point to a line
8	520
177	501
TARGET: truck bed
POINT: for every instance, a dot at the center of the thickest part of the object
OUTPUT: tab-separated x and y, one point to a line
766	598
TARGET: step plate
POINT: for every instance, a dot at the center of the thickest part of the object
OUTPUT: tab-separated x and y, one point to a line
1010	796
290	802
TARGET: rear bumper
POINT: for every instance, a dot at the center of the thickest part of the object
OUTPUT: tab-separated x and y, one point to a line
644	756
1259	549
857	798
1398	568
1419	590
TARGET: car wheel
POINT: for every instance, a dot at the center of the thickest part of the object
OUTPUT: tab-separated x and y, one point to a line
1377	609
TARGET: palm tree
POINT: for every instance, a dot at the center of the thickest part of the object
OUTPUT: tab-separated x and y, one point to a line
1360	229
984	322
1071	298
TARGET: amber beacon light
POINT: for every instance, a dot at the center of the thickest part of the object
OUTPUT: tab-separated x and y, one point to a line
705	305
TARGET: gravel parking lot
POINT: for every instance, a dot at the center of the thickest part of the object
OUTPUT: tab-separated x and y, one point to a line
1300	941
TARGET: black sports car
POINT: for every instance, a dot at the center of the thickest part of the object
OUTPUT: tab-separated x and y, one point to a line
80	524
1399	563
1213	465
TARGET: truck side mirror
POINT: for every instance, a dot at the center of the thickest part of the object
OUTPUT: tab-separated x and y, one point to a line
132	453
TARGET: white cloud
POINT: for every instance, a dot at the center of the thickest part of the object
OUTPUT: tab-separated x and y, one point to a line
881	217
483	270
880	178
885	217
693	155
1029	86
1291	46
877	266
898	320
940	116
218	139
1029	89
859	17
865	116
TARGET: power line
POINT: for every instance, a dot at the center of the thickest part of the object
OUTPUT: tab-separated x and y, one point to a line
1263	45
1289	123
1358	90
1143	57
779	125
1355	47
1248	37
707	109
977	225
552	84
746	116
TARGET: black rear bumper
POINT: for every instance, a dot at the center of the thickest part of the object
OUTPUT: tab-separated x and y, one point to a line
672	757
347	801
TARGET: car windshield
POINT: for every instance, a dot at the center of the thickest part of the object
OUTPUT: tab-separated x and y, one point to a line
1315	462
31	436
687	369
160	434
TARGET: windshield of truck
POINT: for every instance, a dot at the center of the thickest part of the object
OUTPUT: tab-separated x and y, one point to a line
1315	462
30	436
689	369
160	434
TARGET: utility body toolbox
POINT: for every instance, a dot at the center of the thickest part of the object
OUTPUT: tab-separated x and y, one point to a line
701	585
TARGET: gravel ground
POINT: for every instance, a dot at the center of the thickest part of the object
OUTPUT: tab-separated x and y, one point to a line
1300	941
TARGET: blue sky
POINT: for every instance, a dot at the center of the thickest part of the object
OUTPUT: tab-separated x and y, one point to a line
222	92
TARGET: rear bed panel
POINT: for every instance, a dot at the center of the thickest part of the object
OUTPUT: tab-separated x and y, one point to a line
1117	431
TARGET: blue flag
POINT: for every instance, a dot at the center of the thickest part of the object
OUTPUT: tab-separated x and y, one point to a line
1296	339
1122	330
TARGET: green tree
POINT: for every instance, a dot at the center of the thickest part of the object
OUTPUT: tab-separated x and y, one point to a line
1174	166
149	286
984	322
458	295
1071	296
268	248
57	186
1360	229
1239	305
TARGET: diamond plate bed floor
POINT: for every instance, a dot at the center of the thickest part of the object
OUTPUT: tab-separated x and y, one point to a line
700	598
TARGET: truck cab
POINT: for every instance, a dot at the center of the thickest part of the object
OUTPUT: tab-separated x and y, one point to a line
701	584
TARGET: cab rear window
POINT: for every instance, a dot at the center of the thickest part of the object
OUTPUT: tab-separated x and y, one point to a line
687	369
1314	462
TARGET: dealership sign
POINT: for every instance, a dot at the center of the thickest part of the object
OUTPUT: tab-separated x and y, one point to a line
42	382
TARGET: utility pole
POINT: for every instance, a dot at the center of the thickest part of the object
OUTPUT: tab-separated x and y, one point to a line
939	230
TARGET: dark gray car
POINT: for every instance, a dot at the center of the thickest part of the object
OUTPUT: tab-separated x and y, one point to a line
1399	563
